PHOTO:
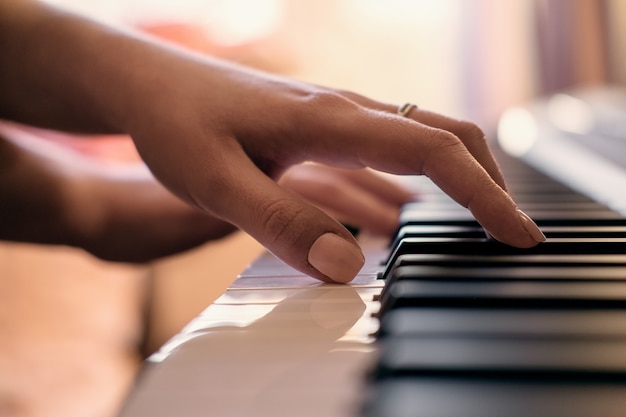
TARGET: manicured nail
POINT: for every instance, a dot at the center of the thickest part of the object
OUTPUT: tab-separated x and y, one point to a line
336	258
531	227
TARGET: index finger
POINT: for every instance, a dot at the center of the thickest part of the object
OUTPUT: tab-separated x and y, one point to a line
473	138
469	133
402	145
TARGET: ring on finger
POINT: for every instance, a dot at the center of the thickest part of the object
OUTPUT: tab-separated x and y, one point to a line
405	109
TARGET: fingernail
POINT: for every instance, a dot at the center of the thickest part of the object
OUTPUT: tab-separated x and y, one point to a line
531	227
336	258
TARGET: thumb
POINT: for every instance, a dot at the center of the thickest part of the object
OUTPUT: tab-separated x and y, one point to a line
298	233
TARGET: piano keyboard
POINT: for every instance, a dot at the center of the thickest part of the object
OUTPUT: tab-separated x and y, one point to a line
441	321
470	327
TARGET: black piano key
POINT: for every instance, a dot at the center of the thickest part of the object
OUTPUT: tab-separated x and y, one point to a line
508	273
505	273
537	268
515	295
497	261
546	323
476	246
522	197
550	232
451	231
478	232
571	220
470	327
480	246
482	397
465	218
583	231
537	206
493	357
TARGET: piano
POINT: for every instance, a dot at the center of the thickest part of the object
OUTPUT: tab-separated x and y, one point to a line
441	321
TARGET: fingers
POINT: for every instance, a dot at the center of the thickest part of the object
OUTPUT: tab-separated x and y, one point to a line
469	133
402	145
296	232
474	140
360	198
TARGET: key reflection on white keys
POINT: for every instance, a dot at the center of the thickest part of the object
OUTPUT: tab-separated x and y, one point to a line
276	351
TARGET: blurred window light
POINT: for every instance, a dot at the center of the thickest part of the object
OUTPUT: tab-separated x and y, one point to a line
136	11
227	22
403	11
112	12
570	114
517	131
236	22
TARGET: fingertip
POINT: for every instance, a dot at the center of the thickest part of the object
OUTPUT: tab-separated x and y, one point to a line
531	228
336	258
522	233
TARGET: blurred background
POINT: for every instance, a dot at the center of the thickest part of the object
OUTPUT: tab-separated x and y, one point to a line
466	58
76	327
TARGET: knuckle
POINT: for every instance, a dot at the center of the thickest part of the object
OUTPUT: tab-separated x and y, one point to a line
471	132
278	219
442	147
312	115
442	140
330	101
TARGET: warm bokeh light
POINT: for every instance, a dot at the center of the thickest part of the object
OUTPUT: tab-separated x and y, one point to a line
393	51
570	114
517	131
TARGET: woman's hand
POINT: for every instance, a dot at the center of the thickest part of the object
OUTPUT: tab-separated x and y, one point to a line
118	211
224	134
219	135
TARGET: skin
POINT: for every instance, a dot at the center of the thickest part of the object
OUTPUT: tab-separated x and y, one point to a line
54	195
219	136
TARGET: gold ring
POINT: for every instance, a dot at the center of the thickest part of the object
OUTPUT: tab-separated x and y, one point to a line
405	109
